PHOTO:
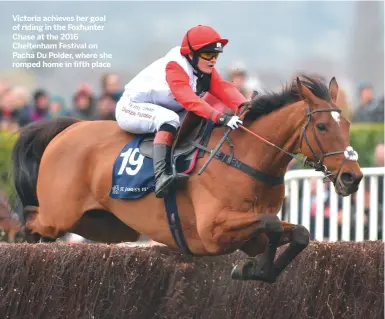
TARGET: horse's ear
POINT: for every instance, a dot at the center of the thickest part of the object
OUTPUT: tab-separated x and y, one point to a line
304	92
333	89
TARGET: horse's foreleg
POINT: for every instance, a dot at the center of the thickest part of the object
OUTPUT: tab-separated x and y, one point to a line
262	269
299	238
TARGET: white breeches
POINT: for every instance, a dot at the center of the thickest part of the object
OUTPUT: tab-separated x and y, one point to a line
143	118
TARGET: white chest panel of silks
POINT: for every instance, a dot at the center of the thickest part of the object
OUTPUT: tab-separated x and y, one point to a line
150	85
147	102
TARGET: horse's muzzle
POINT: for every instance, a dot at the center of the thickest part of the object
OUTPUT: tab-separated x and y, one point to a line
347	184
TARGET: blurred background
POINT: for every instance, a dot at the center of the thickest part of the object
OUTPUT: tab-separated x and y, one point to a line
270	42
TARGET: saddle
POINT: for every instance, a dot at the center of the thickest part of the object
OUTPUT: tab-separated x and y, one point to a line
193	130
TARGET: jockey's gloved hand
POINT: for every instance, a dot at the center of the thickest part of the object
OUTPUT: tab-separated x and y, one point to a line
229	120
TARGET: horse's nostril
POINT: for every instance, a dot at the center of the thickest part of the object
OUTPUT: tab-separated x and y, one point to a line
349	178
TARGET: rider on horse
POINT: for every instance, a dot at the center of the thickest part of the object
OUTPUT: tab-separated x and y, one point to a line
158	97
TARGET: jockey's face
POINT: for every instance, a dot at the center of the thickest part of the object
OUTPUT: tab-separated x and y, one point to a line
207	61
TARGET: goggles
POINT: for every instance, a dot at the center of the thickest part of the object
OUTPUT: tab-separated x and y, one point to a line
208	56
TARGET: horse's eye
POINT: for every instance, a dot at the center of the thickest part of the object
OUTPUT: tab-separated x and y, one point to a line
322	127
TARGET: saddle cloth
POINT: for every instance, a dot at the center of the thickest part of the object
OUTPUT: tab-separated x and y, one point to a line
133	172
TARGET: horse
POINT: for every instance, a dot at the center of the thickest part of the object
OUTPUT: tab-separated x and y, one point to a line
10	223
63	176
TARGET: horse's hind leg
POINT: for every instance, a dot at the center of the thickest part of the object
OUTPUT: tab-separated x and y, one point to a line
262	269
102	226
33	238
30	213
35	231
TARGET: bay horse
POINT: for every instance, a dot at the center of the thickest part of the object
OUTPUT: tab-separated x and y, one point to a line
63	172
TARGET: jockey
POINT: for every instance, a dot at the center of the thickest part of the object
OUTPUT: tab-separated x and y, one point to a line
155	99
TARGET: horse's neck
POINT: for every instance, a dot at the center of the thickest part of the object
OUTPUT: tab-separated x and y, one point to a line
280	128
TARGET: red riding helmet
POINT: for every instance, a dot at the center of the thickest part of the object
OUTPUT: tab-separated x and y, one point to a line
200	36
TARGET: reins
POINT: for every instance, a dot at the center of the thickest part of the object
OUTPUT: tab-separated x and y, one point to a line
318	165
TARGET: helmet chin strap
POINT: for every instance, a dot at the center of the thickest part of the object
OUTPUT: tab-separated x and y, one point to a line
194	60
203	83
194	63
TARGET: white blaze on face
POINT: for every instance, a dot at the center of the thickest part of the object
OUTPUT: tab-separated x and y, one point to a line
336	117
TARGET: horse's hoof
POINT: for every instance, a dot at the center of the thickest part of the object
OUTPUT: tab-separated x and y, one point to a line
249	269
243	270
33	238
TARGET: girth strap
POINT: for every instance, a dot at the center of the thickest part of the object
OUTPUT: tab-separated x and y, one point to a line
174	220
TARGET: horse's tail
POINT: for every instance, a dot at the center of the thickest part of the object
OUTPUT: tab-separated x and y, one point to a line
28	151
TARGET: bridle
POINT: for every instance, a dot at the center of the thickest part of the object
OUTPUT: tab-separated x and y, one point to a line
318	165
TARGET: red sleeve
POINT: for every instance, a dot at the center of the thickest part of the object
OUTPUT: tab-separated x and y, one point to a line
215	103
178	81
225	91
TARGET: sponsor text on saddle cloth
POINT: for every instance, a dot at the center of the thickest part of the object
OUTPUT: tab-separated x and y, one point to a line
133	173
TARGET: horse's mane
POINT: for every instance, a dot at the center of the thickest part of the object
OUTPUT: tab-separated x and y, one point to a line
272	101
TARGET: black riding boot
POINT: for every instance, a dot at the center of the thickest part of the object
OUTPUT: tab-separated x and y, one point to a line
164	178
